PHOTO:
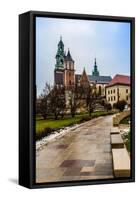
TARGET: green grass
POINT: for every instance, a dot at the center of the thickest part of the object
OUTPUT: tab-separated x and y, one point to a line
51	124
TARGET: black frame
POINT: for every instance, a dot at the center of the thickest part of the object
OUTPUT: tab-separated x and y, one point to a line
27	96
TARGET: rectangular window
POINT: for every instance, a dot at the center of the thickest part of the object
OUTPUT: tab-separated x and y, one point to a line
108	91
127	97
108	98
126	90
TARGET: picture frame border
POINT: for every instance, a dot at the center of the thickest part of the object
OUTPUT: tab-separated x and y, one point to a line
27	97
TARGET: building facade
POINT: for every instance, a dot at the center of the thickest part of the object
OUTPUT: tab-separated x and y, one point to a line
118	89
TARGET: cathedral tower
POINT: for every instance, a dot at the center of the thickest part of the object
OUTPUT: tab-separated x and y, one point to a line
59	66
69	73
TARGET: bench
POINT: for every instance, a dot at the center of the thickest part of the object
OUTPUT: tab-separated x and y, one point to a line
121	162
117	141
114	130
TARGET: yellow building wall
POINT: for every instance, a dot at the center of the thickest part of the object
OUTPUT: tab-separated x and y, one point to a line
112	94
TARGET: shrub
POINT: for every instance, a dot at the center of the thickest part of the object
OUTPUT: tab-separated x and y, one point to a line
45	132
120	105
86	118
107	106
127	140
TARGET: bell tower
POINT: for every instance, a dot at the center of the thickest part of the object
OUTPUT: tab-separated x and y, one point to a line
69	73
60	55
59	66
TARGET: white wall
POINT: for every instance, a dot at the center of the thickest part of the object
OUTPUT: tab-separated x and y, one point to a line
9	11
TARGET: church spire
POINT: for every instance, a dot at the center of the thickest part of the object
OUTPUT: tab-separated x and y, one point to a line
95	72
60	54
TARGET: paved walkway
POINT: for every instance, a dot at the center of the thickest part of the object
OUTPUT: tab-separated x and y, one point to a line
82	154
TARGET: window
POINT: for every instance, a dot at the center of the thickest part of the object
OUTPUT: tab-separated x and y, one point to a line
108	98
114	98
126	90
108	91
127	97
69	65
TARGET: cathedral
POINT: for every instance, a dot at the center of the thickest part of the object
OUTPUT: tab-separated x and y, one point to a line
64	73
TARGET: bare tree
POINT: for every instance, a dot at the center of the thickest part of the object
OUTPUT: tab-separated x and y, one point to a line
91	96
57	101
75	98
43	101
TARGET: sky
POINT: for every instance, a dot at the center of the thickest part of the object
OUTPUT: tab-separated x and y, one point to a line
108	42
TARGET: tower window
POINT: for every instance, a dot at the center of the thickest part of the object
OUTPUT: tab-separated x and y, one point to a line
69	82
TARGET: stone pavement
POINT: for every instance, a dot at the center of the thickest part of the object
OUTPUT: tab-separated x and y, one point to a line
84	153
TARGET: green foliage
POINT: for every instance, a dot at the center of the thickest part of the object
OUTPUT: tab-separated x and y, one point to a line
107	106
125	120
45	132
127	140
120	105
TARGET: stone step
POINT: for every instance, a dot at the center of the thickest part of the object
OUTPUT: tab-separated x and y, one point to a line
121	162
114	130
117	141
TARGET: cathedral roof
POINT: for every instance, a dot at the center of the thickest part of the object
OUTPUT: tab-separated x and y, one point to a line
97	79
68	57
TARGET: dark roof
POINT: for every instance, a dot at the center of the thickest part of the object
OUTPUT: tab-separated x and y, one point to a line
120	79
68	57
97	79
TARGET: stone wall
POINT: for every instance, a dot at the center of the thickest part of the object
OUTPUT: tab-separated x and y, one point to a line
118	117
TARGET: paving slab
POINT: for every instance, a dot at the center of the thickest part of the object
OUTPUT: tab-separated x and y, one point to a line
84	153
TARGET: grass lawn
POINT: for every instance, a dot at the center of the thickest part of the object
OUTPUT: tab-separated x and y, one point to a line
55	124
66	121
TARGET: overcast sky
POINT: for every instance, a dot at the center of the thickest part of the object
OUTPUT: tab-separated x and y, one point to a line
109	42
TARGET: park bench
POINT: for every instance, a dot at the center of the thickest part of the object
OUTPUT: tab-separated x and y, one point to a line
117	141
121	162
114	130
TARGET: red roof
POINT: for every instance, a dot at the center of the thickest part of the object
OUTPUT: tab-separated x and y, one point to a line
120	79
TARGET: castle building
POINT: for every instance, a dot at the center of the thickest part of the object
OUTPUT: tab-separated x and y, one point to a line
118	89
64	73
